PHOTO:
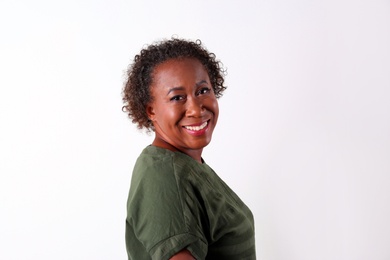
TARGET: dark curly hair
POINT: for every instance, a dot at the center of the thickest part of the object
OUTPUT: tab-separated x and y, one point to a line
136	91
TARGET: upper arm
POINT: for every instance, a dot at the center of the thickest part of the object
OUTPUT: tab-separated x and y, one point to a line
183	255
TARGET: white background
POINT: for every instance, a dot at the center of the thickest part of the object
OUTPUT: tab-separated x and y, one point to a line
303	134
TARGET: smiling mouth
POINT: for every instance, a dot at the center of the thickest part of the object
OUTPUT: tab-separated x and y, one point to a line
197	128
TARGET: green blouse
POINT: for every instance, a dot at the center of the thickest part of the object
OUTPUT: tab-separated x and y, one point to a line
175	203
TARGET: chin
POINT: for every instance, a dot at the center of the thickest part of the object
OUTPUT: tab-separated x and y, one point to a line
200	145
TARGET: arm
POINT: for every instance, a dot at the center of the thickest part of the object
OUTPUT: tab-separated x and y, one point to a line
183	255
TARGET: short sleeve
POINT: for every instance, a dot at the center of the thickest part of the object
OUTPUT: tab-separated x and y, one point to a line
170	246
155	212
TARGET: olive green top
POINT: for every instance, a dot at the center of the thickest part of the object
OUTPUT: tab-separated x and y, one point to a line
175	203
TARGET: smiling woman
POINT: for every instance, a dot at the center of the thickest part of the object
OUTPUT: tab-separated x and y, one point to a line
178	207
184	110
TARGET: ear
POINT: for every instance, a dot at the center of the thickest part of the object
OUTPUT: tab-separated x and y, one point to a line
150	112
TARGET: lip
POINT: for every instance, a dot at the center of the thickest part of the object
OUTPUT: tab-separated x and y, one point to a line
198	132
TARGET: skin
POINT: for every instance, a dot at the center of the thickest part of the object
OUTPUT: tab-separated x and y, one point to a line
183	98
183	255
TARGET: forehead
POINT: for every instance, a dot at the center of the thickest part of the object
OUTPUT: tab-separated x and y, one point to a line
178	70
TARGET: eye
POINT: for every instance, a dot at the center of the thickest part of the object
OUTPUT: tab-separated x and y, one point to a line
204	90
177	98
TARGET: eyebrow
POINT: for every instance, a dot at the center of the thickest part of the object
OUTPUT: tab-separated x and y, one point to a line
174	89
181	88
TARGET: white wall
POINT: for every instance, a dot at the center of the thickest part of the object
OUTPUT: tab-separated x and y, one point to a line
303	136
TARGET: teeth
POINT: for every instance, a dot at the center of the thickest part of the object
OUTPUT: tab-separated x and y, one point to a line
196	128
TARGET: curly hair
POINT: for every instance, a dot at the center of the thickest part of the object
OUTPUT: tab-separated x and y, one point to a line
136	92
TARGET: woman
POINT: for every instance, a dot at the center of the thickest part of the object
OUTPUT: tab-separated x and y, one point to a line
178	207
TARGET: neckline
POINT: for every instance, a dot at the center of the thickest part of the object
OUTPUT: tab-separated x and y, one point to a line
177	152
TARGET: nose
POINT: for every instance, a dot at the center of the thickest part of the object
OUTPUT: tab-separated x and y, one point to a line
194	107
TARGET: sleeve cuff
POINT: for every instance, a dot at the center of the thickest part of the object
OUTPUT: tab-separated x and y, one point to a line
170	246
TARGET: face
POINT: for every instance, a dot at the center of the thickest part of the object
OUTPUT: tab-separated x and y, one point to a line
184	110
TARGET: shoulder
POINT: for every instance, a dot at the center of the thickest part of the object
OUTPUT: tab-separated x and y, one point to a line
160	171
153	194
153	163
162	165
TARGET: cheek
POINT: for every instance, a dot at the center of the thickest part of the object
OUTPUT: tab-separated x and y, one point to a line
215	106
216	113
169	115
212	105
